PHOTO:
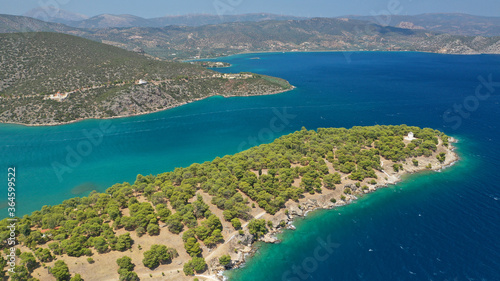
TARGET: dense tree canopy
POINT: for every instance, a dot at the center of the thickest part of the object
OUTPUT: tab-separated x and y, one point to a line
257	227
225	260
126	269
77	277
269	175
158	254
196	265
60	271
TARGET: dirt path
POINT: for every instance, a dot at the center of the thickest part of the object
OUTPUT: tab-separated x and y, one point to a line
209	277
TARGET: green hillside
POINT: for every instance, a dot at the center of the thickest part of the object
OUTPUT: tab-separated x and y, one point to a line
10	23
204	203
51	62
101	80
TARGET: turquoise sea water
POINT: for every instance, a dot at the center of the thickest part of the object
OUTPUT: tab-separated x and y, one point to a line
434	226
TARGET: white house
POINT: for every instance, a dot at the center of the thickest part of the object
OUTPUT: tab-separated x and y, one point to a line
410	136
58	96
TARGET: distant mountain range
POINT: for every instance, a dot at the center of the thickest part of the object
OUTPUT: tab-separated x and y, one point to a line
317	34
451	23
52	14
456	24
108	20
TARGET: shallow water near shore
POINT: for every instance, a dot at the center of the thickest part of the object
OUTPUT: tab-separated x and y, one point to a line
425	228
433	226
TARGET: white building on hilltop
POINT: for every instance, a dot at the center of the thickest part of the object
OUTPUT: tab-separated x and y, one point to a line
410	136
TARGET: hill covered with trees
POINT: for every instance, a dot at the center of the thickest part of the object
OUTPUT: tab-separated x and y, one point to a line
101	80
10	23
204	217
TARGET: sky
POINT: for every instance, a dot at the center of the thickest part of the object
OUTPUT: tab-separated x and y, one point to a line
306	8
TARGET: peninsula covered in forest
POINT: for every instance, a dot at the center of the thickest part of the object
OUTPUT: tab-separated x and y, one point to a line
52	78
197	221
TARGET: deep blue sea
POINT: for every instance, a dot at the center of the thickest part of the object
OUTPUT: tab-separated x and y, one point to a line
433	226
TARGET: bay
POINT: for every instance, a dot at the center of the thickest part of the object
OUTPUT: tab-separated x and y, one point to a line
434	226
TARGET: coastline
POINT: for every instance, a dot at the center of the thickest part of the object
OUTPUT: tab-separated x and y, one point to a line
241	246
311	216
322	201
228	96
144	113
333	51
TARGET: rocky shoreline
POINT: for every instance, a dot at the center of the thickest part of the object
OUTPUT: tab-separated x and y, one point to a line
237	243
246	246
141	113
